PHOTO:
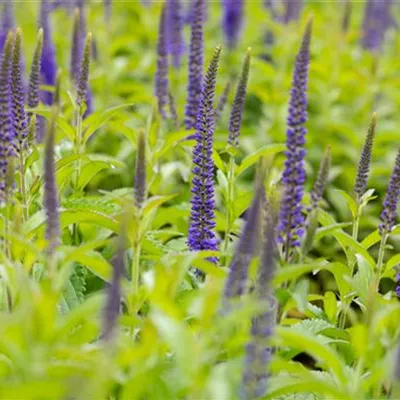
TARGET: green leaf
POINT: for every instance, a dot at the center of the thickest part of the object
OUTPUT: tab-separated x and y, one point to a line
96	120
350	202
254	157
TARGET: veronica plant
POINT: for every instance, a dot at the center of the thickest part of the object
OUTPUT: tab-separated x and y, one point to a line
196	64
202	220
291	223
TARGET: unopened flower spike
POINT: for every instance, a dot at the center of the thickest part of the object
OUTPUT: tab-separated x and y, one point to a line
222	102
34	77
83	81
140	171
50	188
196	64
202	234
291	222
172	110
361	183
18	96
258	350
238	269
322	179
161	81
389	212
233	18
7	133
235	121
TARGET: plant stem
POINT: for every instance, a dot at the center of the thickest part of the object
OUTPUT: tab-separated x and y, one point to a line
356	225
381	254
23	185
136	256
230	195
78	144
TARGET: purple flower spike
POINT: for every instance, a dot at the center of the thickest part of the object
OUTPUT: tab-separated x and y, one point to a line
233	18
175	41
377	19
202	219
238	270
107	10
389	212
50	188
7	21
291	224
161	82
48	62
18	96
196	61
397	279
7	135
292	10
235	121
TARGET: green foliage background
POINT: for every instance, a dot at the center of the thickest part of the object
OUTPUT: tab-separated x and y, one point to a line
178	346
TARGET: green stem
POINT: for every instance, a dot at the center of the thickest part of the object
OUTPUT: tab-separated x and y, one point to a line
78	144
381	254
136	257
230	196
23	185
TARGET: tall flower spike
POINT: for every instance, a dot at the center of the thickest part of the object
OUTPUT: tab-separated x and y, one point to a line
7	21
202	219
176	45
235	121
291	224
140	171
196	61
233	18
76	49
112	307
322	179
50	188
222	102
292	10
172	110
161	82
6	129
361	183
389	212
18	96
238	270
83	81
107	10
34	76
258	350
48	62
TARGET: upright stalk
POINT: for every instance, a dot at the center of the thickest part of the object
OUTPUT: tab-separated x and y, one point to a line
23	185
381	254
230	196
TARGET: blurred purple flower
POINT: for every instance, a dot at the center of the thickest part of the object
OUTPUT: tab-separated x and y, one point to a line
202	219
377	19
161	81
48	62
174	31
291	224
292	10
7	21
196	64
233	18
